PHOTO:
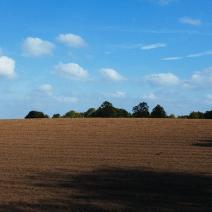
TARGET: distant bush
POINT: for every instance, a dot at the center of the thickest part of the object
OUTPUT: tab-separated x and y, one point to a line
36	114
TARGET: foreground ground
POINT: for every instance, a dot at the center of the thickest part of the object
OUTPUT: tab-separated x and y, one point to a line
106	165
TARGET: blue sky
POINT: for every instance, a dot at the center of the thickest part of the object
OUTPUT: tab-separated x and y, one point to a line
74	54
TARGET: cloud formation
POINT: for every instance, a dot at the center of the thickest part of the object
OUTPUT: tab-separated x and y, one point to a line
153	46
119	94
111	74
202	78
72	70
150	96
66	99
36	47
190	21
7	67
72	40
163	79
194	55
200	54
46	89
171	58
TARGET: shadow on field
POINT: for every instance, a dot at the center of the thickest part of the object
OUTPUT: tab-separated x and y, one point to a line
203	143
116	189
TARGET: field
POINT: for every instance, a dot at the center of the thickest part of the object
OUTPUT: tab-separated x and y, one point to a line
106	165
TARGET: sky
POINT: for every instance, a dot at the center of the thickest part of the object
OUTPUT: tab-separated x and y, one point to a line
57	56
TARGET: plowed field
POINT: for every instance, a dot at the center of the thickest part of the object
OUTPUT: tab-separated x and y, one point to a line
106	165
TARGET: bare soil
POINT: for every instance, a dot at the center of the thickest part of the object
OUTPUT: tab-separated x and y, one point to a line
106	165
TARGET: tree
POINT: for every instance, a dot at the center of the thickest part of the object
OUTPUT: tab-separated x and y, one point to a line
106	110
171	116
208	114
36	114
196	115
56	116
90	112
183	117
158	112
122	113
72	114
141	110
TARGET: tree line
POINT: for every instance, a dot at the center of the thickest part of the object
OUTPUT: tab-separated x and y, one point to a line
107	110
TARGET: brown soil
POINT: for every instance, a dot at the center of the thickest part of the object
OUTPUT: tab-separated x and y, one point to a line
106	165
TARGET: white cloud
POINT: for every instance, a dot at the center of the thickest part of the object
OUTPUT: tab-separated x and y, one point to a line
191	56
171	58
163	79
140	46
150	96
72	70
72	40
65	99
119	94
111	74
202	78
153	46
36	47
46	89
200	54
190	21
7	67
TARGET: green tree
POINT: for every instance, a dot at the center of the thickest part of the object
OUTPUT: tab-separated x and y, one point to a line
36	115
56	116
158	112
72	114
141	110
183	117
172	116
196	115
122	113
90	112
208	114
106	110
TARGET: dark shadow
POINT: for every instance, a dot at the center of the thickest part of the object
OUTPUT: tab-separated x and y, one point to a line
54	206
116	189
203	143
